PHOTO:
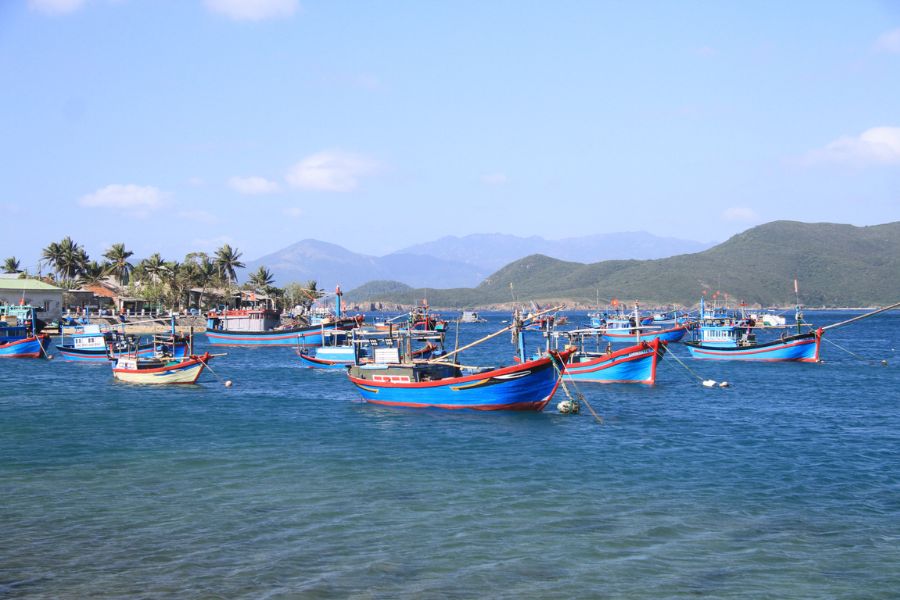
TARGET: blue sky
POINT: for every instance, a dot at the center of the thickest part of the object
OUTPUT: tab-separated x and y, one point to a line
177	125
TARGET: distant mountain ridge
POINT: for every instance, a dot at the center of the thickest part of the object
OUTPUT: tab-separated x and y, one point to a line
452	261
493	250
837	265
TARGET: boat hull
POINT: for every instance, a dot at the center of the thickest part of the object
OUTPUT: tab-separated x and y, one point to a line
635	364
796	348
29	347
528	386
310	335
673	334
182	372
97	355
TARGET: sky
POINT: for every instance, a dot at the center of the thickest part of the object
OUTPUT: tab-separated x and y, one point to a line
180	125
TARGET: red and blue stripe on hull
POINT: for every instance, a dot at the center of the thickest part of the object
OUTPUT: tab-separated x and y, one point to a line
528	386
96	355
796	348
635	364
303	336
29	347
673	334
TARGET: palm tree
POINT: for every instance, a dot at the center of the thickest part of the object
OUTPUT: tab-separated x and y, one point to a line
92	273
153	267
52	256
262	279
11	265
119	266
72	260
227	260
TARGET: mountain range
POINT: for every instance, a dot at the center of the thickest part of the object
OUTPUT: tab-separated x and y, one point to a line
836	265
453	261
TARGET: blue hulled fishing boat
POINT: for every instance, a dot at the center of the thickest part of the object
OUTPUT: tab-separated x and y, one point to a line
259	324
633	364
392	381
19	337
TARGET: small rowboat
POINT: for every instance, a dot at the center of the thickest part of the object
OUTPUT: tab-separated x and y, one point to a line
158	370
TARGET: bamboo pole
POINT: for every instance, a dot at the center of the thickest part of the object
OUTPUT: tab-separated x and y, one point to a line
860	317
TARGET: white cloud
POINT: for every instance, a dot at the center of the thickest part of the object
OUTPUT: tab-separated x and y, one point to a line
55	7
253	10
889	42
875	146
294	212
740	214
252	185
330	171
494	179
136	199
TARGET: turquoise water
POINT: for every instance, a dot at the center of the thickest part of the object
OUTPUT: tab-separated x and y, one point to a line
785	485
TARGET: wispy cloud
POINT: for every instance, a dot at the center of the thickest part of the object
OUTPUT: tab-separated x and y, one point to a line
56	7
294	212
331	171
253	10
875	146
740	214
253	185
134	199
889	42
494	179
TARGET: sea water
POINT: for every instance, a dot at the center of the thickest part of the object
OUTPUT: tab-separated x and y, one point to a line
786	484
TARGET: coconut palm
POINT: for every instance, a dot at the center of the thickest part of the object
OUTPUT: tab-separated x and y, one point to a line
153	267
119	266
52	256
261	279
72	260
92	273
11	265
227	260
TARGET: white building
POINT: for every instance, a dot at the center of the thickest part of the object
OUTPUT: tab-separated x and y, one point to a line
45	298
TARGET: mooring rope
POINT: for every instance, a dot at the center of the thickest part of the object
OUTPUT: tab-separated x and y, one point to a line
853	354
578	395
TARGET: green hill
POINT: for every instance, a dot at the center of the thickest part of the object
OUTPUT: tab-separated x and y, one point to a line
837	265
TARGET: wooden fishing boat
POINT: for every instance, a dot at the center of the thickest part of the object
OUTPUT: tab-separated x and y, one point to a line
160	370
729	335
529	385
633	364
260	325
19	337
92	343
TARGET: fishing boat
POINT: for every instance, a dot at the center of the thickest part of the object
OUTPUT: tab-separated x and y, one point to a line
392	381
727	335
158	370
470	316
630	328
342	349
96	344
632	364
259	324
19	337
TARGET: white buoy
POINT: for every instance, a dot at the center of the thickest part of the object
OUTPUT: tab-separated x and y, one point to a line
567	407
49	357
228	383
709	383
724	384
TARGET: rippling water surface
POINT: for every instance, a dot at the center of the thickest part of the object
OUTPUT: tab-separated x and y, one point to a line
785	485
